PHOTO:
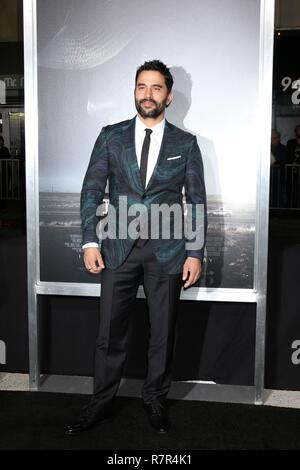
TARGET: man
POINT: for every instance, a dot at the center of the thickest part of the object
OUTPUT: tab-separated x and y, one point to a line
5	179
148	161
4	152
293	147
278	150
279	158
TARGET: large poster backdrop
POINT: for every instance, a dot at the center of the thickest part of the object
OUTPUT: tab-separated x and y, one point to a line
88	53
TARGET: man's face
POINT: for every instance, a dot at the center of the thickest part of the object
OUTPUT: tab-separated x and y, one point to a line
151	94
275	139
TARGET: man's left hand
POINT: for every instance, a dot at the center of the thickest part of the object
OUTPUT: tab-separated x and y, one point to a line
191	271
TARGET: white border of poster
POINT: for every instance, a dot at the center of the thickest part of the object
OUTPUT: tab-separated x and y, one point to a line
256	295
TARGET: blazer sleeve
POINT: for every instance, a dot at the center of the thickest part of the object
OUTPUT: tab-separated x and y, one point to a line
93	189
195	194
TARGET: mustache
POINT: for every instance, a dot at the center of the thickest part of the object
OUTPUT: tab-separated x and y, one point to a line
150	100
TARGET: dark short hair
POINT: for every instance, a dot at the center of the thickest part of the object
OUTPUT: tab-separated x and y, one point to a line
157	66
275	131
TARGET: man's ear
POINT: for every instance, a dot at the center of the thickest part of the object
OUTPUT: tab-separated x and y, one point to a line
169	99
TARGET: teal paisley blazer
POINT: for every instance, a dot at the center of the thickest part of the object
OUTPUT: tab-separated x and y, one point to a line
114	159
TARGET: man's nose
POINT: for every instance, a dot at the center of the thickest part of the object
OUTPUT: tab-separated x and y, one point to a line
148	93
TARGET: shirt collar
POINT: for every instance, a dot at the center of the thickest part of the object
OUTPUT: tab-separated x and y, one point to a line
158	128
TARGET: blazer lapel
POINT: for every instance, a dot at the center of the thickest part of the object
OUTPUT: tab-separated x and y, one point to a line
166	141
131	158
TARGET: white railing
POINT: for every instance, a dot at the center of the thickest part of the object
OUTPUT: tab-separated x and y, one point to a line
285	187
12	179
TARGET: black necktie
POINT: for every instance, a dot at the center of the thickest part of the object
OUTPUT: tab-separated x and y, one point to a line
143	170
144	156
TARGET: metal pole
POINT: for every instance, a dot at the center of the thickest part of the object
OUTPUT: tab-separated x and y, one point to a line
31	140
263	179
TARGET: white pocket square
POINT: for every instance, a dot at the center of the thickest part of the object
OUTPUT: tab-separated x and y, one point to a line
173	158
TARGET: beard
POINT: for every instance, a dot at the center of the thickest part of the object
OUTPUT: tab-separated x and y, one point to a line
153	113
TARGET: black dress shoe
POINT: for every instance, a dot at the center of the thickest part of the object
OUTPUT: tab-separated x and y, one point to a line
157	415
87	421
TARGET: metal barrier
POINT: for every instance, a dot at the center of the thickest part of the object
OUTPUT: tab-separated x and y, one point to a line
285	187
12	179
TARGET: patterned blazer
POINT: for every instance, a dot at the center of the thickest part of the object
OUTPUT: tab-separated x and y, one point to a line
114	159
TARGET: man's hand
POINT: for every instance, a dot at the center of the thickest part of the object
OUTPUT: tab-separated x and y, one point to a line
191	271
93	260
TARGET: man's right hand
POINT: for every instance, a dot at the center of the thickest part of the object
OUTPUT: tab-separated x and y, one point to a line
93	260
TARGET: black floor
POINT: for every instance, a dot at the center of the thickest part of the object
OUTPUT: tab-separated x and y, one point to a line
31	420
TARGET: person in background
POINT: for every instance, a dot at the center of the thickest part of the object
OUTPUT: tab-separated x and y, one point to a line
4	178
293	147
4	152
278	150
279	159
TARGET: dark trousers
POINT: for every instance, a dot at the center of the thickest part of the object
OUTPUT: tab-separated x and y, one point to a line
118	292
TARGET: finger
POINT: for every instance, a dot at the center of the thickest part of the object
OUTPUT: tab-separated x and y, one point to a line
194	276
185	272
100	261
94	269
188	282
91	266
88	264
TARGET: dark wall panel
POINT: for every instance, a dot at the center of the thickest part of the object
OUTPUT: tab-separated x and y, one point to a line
214	342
